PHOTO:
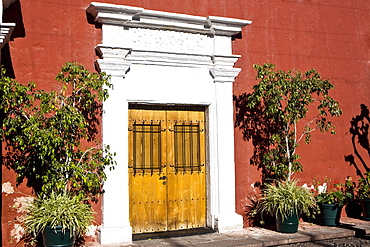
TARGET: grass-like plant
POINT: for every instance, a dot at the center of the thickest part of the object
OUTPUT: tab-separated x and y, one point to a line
58	210
285	199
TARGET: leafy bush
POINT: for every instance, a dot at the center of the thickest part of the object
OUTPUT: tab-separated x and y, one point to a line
52	137
281	100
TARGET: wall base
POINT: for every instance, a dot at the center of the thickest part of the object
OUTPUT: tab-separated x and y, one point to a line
230	222
115	235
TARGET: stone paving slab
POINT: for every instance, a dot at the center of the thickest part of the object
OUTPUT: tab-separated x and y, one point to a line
301	236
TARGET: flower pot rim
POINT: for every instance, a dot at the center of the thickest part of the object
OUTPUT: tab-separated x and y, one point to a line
330	204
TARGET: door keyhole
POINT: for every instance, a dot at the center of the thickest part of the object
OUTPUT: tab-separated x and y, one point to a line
162	178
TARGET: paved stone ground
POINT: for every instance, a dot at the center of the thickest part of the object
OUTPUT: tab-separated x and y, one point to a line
351	233
339	242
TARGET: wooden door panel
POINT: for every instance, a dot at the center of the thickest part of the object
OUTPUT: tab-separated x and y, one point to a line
148	199
187	208
167	169
148	212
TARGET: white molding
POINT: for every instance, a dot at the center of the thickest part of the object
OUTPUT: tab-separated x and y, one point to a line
148	57
156	57
139	17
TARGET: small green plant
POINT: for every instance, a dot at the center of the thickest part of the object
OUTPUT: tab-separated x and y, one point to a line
331	193
58	209
286	198
364	186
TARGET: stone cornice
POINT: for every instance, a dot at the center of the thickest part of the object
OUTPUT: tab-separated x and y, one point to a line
141	18
117	61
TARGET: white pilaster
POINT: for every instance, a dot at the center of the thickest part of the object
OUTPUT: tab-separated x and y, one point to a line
227	219
116	226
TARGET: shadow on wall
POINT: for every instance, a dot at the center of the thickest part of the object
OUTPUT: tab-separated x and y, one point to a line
359	131
258	129
13	14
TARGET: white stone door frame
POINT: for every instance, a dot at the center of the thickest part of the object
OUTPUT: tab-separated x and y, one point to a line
158	57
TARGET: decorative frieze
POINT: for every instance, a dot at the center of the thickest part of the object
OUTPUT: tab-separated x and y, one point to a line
167	40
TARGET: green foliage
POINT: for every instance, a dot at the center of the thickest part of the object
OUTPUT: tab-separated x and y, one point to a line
364	187
286	198
58	210
51	137
285	99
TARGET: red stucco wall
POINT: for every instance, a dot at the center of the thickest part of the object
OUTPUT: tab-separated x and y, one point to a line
331	36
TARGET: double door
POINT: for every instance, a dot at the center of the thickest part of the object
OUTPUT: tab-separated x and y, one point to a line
167	172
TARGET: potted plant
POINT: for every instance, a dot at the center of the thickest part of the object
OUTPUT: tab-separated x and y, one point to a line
52	136
52	141
364	195
331	197
59	217
275	117
286	201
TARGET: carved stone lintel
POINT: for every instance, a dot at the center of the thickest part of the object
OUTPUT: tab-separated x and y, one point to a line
128	56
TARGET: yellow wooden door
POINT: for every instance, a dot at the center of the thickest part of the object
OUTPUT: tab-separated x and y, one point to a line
167	172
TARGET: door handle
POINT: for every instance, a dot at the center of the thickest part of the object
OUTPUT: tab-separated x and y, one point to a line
162	178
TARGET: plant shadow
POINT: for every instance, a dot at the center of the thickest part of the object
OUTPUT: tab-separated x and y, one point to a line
359	130
258	129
